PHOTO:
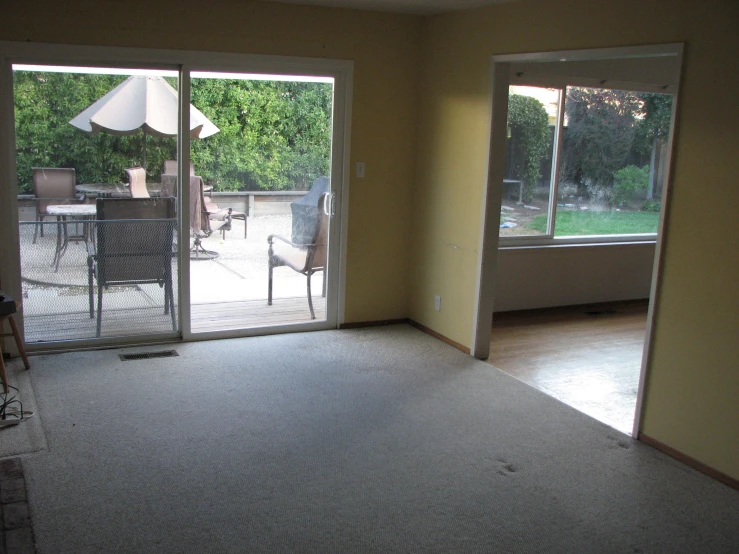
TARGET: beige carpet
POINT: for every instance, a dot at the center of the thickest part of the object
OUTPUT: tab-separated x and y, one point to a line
27	436
365	440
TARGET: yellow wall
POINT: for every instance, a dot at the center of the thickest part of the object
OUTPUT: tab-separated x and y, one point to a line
385	49
693	388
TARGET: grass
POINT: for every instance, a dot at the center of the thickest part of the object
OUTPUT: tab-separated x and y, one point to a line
577	223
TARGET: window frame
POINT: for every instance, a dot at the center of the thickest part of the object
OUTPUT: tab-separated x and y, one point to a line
517	65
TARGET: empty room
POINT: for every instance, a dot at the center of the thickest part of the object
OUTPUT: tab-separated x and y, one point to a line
296	350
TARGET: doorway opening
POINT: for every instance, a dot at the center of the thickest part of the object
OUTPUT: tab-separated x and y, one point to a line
120	213
578	183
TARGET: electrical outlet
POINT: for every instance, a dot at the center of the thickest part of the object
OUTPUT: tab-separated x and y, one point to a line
360	170
437	303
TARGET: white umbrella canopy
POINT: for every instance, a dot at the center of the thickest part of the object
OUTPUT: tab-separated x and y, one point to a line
141	102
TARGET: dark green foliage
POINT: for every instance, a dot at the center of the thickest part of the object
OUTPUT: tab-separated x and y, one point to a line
627	181
44	105
651	206
274	135
528	122
656	122
600	133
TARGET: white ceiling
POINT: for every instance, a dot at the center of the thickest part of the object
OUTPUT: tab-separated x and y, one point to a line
420	7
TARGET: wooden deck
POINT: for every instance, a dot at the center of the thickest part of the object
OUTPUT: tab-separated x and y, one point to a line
147	321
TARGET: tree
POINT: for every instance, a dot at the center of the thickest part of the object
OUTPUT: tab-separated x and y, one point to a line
600	134
654	129
45	103
274	135
529	125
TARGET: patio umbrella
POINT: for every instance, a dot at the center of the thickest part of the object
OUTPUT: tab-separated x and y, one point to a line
141	102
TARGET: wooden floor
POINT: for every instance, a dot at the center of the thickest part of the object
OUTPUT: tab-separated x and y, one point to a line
254	313
77	325
587	357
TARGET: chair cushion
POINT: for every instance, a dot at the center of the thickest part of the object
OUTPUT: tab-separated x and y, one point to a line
294	259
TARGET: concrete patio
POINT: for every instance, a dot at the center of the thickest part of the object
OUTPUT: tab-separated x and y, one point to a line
227	292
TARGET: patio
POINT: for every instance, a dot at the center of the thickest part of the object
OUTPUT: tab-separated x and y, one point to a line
228	292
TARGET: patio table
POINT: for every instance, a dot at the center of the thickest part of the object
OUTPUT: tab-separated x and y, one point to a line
114	190
86	212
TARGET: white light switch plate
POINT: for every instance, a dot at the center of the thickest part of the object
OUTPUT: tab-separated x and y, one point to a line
360	169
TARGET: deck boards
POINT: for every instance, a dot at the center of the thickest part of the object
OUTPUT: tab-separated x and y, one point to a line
219	316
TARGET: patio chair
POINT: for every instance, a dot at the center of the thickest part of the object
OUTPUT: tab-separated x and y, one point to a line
304	211
170	167
205	219
130	252
169	188
137	182
212	208
52	185
169	177
308	258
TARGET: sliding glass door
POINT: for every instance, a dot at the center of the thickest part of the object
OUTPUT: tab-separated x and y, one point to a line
130	229
261	201
97	250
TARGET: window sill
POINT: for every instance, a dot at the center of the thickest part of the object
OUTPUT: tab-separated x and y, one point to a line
576	242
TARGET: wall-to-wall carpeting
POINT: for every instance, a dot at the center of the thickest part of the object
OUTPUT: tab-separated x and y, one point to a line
368	440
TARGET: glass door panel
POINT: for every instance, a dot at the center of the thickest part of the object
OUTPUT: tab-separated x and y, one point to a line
261	203
96	235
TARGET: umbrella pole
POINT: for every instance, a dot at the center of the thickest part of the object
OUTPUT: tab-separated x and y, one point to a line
144	166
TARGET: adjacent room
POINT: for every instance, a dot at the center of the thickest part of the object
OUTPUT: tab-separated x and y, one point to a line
587	150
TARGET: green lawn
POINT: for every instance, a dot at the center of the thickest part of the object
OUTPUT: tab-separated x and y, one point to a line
576	223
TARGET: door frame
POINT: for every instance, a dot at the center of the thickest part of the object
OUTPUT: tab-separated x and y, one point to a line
181	61
492	193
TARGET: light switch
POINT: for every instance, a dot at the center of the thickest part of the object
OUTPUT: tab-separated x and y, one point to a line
360	170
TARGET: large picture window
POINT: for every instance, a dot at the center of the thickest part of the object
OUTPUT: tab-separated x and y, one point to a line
584	162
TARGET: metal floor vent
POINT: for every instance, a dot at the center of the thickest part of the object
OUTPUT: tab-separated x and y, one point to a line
147	355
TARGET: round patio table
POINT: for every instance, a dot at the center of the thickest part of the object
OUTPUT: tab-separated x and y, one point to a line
114	190
86	212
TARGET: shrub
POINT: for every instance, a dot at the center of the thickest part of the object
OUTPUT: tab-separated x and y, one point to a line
529	124
627	181
651	206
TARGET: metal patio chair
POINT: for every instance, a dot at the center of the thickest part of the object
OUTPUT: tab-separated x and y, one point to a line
307	258
134	244
137	182
205	219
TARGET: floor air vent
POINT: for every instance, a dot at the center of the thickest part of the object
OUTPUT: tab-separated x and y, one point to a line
148	355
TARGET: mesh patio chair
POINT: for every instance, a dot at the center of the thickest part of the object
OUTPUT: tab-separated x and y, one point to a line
306	258
52	186
170	167
137	182
134	244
